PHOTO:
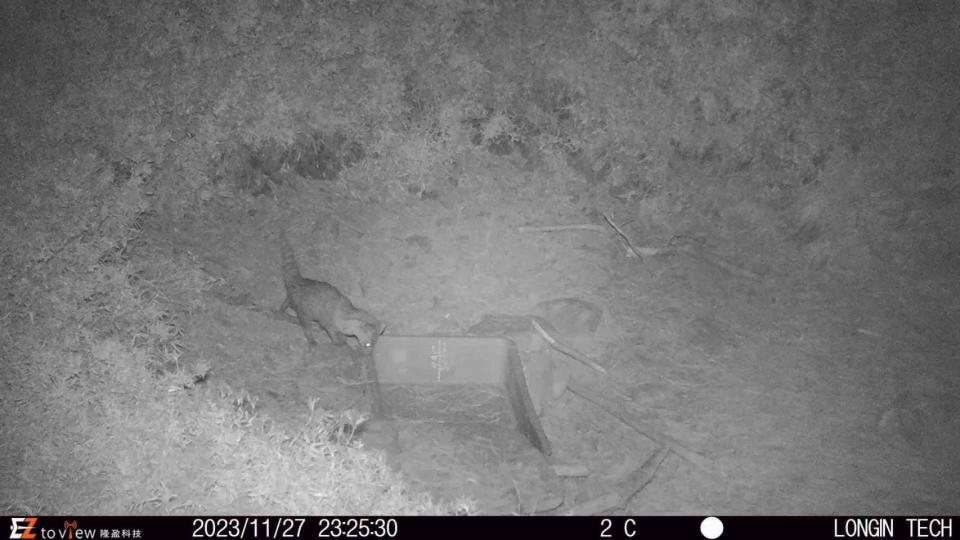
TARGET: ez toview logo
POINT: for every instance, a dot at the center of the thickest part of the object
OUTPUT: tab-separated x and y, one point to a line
25	528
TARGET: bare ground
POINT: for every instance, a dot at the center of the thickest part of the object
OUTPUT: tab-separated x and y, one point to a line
806	391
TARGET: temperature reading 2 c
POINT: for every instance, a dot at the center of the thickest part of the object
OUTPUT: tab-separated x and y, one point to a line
629	528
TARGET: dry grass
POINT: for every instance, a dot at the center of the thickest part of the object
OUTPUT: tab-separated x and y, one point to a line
98	415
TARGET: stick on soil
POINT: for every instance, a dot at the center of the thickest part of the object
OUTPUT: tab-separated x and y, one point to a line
623	235
566	349
635	482
628	417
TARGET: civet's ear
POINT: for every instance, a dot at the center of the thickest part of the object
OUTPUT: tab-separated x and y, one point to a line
383	326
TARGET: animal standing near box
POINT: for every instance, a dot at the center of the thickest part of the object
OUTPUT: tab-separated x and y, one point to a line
324	304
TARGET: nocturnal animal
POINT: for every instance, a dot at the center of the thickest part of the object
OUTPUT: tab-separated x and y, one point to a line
324	304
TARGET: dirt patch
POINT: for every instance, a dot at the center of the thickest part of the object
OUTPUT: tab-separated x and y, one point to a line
779	385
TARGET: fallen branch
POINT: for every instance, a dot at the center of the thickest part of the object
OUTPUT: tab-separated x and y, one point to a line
639	478
552	228
620	412
623	235
640	252
565	349
636	481
701	255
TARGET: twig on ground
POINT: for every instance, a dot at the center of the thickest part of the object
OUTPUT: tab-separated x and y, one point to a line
644	475
623	235
622	413
566	349
635	482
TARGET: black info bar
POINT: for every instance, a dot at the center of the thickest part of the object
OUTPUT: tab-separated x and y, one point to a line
496	527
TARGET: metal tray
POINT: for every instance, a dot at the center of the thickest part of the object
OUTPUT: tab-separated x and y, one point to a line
456	379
